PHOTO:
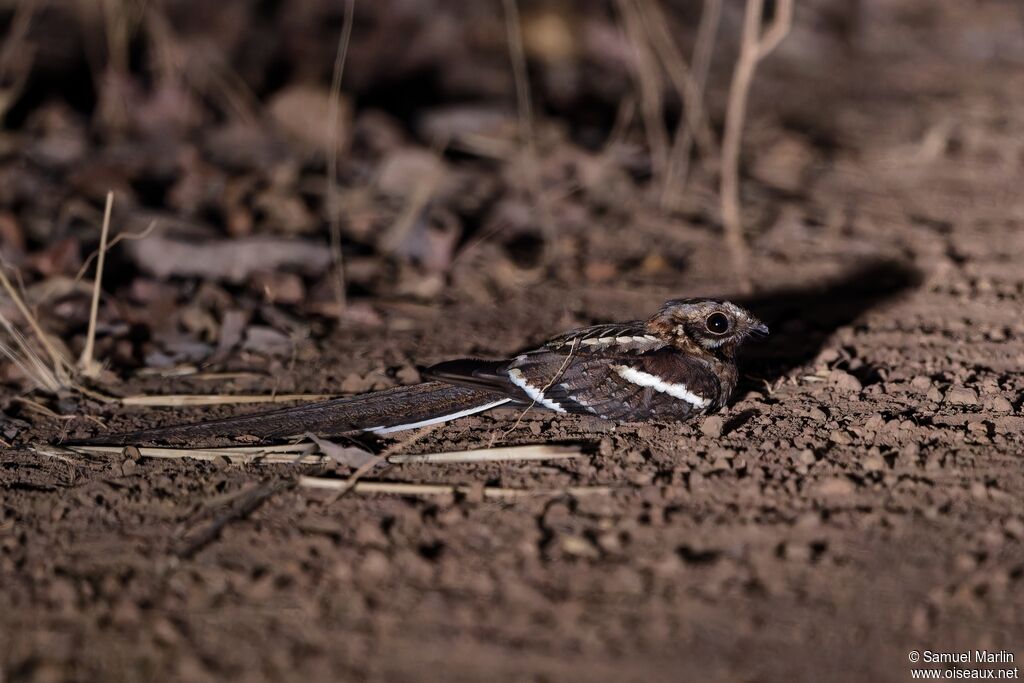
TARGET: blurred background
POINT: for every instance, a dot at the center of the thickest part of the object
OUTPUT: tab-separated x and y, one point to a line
471	151
323	196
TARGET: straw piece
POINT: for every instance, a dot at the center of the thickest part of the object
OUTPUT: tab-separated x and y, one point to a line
407	489
287	454
538	452
303	454
178	400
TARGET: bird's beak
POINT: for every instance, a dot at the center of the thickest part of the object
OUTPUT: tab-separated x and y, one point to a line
759	329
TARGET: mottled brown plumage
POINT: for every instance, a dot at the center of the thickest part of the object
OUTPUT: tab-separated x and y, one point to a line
669	367
679	363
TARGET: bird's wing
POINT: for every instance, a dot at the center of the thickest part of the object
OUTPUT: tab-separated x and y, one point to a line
660	384
630	337
617	372
552	357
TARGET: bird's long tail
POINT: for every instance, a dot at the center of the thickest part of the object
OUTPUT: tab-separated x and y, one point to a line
382	412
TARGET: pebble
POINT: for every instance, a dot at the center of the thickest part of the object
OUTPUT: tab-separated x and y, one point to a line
827	356
961	396
835	487
712	426
578	547
806	457
874	423
808	520
355	384
799	552
408	374
375	566
873	463
1014	528
977	428
840	436
844	381
1001	405
921	382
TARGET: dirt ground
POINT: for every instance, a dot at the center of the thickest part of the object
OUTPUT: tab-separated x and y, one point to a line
859	499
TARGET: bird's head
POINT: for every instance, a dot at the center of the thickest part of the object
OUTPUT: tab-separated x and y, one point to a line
717	327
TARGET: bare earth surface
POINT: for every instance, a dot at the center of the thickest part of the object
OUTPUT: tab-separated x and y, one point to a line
859	499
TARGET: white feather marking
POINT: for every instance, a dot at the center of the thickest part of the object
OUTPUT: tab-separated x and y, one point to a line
435	420
624	341
646	379
517	377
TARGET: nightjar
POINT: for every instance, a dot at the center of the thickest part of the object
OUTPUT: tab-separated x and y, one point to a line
679	363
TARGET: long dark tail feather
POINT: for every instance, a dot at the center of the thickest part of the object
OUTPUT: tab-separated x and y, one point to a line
379	411
473	372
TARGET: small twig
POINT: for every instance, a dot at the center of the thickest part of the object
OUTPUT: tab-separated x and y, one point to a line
177	400
753	48
16	54
86	364
679	73
248	505
113	243
382	458
623	118
403	489
555	378
302	453
332	156
519	72
509	453
527	134
40	408
419	199
649	84
700	62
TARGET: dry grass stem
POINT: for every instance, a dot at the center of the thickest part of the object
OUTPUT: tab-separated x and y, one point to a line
305	453
179	400
26	360
297	454
649	84
555	378
510	453
332	157
519	72
700	64
56	377
753	48
16	55
527	134
404	489
86	364
658	29
382	457
405	222
113	243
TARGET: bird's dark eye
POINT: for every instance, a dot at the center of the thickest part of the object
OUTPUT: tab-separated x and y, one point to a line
717	323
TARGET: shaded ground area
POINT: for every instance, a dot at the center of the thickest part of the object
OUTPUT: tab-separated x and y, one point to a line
860	498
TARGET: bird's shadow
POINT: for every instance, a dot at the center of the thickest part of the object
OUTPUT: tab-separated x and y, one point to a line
802	319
